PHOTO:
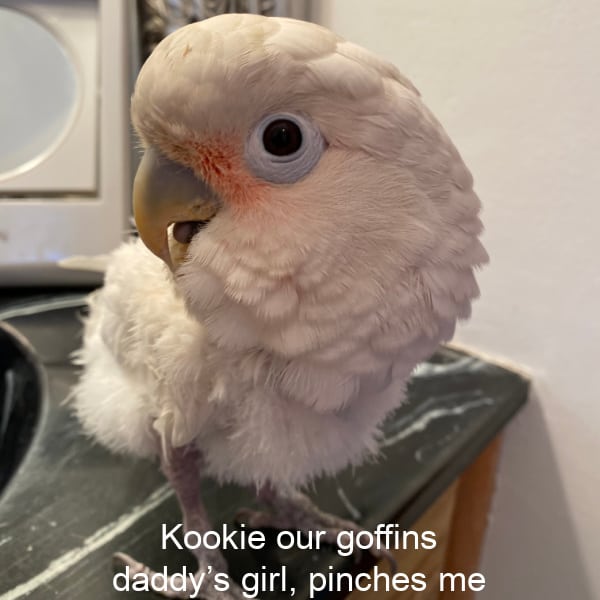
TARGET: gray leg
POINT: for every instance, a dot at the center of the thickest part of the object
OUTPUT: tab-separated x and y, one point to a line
182	469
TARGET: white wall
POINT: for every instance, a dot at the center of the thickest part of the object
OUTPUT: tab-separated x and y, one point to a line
517	85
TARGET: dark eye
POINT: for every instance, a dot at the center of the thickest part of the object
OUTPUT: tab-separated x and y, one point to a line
282	137
284	147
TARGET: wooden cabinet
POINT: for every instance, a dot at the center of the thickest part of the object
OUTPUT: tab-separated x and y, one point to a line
459	519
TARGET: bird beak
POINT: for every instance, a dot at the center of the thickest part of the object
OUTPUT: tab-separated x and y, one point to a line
165	192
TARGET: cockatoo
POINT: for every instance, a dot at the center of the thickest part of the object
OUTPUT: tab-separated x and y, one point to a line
308	234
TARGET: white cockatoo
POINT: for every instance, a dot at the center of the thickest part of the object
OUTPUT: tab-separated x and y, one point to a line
308	235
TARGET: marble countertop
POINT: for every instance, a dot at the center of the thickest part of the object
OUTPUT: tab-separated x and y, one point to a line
70	504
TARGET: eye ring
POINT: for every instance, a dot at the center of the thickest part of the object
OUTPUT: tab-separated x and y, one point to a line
284	147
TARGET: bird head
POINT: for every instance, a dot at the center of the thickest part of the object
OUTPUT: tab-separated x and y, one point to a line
301	193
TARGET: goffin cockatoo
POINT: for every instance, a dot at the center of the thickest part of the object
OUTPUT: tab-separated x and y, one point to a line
308	235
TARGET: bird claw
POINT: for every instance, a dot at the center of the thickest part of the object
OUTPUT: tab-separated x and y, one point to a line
297	511
258	519
121	560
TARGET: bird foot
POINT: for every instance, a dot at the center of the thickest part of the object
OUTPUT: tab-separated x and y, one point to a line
295	510
202	585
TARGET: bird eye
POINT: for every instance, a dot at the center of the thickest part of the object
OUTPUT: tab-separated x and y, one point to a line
283	148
